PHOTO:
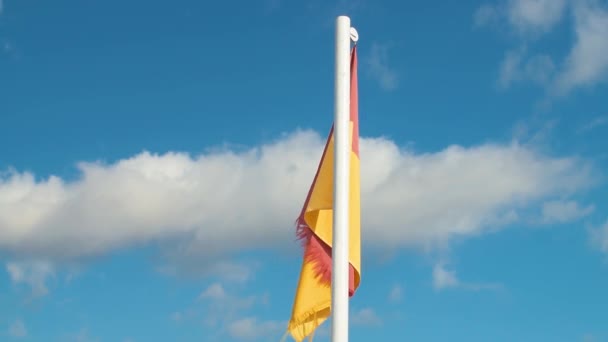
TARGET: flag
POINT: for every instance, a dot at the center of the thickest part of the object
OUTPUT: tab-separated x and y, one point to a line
314	227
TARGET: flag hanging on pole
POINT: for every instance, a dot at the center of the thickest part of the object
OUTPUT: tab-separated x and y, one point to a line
314	227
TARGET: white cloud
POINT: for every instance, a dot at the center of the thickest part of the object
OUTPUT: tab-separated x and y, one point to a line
222	307
227	312
587	62
599	237
396	294
366	317
414	199
535	16
214	291
379	67
595	123
443	278
31	273
81	336
589	338
207	207
527	18
177	316
251	328
271	6
180	262
17	329
564	211
517	67
217	294
485	14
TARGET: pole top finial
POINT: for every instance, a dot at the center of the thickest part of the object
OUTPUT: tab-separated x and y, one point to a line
354	35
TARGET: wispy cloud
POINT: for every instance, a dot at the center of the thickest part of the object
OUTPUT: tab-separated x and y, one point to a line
271	6
587	61
595	123
443	278
17	329
517	67
366	317
589	338
80	336
34	274
252	328
177	316
528	19
559	211
396	294
485	15
214	292
599	237
535	16
378	63
222	308
181	261
229	313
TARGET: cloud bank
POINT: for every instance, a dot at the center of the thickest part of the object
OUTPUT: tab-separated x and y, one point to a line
223	201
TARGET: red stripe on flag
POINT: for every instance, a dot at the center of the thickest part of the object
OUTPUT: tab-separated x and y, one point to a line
315	250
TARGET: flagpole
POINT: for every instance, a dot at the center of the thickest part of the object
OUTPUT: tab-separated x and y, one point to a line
339	297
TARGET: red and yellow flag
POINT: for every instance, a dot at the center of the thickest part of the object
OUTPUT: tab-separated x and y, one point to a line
313	295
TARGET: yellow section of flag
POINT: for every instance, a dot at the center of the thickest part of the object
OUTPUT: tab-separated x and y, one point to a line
313	294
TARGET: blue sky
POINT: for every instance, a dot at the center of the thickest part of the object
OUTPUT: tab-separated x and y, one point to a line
154	156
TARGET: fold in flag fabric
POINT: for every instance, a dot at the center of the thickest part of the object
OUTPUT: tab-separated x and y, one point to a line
314	227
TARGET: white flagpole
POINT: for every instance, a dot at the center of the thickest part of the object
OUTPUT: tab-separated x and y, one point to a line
340	250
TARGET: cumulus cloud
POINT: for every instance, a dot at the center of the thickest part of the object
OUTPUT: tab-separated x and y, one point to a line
17	329
221	201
